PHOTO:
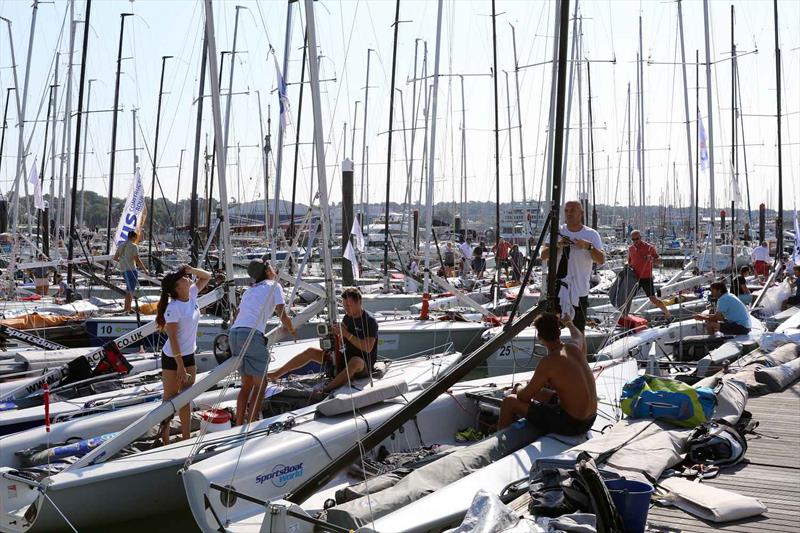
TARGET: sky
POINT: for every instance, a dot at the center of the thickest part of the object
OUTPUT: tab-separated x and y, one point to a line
348	28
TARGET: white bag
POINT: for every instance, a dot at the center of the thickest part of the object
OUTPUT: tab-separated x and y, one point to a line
707	502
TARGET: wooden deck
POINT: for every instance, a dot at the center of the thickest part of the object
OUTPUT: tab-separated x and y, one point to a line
770	472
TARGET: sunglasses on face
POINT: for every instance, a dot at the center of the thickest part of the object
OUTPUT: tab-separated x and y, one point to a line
636	238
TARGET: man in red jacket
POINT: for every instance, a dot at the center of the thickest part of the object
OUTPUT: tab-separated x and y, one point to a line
641	257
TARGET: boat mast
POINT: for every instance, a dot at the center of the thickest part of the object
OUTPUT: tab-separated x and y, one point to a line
5	122
463	157
496	144
21	107
734	152
572	62
319	150
281	131
178	193
591	147
779	219
553	96
297	133
193	202
432	145
264	162
630	158
78	123
81	219
389	150
155	165
697	149
410	160
44	156
709	103
510	146
223	186
114	122
519	121
66	137
692	199
642	196
227	121
364	207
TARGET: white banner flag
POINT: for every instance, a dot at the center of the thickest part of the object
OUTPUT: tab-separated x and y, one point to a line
132	216
356	231
796	254
350	255
33	179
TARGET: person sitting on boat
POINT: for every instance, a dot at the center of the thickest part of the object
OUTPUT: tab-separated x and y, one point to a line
578	248
258	304
449	260
41	276
731	318
178	315
127	255
561	398
794	281
641	257
501	251
739	286
760	257
359	330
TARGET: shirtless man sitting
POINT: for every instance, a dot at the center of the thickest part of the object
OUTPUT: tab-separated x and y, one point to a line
561	398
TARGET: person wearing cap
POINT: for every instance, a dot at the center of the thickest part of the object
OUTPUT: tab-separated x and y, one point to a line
246	337
359	331
178	314
127	255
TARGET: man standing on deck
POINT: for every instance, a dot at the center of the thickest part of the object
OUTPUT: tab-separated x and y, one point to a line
127	255
466	255
641	257
760	257
501	250
561	398
731	318
578	248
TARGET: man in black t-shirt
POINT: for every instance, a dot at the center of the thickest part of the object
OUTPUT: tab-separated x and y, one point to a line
359	331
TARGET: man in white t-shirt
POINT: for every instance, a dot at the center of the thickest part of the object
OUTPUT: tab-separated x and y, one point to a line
466	256
246	337
581	247
761	259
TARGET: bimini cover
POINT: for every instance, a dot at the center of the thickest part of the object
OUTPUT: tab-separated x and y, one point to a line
383	389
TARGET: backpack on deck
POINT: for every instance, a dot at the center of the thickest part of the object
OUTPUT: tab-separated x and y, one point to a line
716	443
668	399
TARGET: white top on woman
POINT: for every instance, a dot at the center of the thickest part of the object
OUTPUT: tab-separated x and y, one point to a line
186	315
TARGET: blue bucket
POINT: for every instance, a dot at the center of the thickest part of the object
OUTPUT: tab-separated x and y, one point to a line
632	499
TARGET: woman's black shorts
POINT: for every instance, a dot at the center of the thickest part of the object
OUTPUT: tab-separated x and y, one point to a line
169	363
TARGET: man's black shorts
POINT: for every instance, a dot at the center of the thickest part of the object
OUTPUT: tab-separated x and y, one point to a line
552	419
732	328
647	286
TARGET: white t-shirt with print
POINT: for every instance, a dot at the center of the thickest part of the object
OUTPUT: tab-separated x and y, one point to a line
579	267
263	296
186	315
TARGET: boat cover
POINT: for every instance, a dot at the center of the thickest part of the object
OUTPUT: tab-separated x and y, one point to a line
433	476
379	391
624	287
35	321
779	377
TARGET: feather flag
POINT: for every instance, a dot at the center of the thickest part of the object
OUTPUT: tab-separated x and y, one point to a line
133	214
702	143
33	179
283	98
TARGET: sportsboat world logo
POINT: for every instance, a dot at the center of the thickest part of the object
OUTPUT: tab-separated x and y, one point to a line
281	474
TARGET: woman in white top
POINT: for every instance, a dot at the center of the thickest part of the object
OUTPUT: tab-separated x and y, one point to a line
178	315
258	304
